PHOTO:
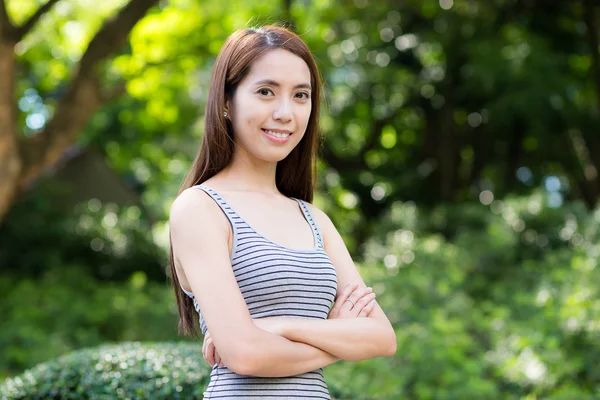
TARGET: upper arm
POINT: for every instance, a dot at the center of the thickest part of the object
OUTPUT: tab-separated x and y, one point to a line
342	260
199	232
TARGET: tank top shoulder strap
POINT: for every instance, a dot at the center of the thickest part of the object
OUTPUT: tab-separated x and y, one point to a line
227	210
234	219
313	223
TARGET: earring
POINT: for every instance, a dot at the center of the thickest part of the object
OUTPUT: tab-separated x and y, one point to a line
225	114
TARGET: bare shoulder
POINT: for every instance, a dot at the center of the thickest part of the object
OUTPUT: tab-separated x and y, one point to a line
200	246
193	206
196	218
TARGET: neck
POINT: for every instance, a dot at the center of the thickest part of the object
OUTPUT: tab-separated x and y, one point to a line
250	174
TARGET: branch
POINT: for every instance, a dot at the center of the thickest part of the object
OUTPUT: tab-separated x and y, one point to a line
113	34
84	96
6	26
27	26
114	92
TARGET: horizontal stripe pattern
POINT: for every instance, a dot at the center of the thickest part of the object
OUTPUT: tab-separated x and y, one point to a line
275	281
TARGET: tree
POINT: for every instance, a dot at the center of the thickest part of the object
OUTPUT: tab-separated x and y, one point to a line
23	158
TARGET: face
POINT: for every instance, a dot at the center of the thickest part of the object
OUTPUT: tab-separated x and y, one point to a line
271	106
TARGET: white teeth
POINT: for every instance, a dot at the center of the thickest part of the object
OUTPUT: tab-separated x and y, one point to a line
277	134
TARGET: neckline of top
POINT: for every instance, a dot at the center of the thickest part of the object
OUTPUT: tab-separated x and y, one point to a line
307	217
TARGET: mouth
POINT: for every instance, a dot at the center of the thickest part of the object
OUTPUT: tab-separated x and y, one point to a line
277	133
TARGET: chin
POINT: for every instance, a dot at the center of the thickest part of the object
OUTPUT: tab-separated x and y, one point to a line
275	159
273	156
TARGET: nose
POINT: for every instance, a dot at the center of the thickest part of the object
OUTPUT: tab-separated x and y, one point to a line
283	111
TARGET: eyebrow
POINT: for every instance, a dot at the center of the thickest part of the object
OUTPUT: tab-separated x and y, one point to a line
273	83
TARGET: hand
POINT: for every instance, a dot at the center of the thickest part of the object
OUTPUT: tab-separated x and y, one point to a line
210	353
364	302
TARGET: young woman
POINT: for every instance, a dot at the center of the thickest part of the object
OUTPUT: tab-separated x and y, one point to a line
260	265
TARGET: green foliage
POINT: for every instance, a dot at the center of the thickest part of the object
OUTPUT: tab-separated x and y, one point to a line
130	370
503	303
508	308
433	101
67	309
123	371
109	241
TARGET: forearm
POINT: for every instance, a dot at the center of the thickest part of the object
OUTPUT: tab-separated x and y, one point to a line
351	339
276	356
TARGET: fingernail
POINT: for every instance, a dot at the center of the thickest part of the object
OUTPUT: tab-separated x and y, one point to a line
370	289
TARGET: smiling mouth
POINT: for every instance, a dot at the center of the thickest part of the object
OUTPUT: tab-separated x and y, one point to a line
277	134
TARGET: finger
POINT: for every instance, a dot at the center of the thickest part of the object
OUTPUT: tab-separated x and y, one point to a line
355	296
362	302
332	313
367	309
372	308
206	337
220	362
217	357
361	292
204	347
205	352
210	353
347	291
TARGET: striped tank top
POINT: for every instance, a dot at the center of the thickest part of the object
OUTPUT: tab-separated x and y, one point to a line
275	281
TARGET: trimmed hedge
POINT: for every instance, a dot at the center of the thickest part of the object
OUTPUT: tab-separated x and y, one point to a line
130	370
125	370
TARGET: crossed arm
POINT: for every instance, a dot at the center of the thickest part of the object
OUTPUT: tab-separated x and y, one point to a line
306	357
351	333
268	347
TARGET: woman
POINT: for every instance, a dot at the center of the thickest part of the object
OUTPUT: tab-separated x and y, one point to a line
259	264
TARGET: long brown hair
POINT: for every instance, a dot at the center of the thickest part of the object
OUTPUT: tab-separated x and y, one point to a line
295	174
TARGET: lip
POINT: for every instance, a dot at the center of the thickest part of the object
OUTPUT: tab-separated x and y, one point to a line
277	130
276	139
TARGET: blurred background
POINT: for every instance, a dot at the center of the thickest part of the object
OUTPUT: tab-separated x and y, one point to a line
460	161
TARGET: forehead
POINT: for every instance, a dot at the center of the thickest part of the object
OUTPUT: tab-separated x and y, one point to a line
281	66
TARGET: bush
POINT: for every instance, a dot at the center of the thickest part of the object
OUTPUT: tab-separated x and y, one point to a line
499	301
126	370
68	309
509	307
109	241
130	370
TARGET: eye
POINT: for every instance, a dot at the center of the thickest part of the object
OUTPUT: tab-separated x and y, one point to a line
305	94
264	91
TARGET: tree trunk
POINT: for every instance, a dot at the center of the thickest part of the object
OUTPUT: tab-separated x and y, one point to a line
23	159
10	161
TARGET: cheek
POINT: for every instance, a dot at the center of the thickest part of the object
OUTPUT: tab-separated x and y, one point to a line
306	115
245	116
251	113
